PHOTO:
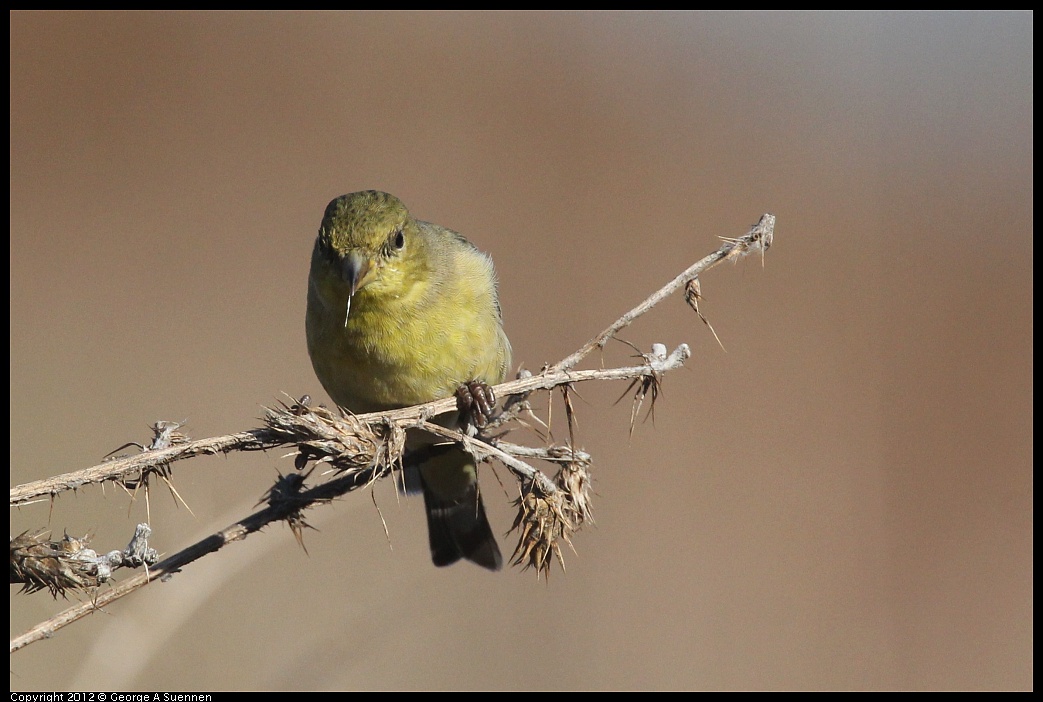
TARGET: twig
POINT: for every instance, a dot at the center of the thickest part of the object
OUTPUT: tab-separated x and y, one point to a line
132	466
38	563
366	447
758	239
264	439
482	449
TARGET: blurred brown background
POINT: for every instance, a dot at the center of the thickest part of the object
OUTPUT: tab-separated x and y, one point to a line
843	499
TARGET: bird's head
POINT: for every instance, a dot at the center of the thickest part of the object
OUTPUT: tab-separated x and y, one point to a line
366	240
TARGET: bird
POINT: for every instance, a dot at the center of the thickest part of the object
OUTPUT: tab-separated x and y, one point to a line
402	312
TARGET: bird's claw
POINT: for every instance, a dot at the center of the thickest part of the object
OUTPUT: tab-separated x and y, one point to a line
477	402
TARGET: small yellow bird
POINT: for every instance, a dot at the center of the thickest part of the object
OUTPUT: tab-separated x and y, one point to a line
402	312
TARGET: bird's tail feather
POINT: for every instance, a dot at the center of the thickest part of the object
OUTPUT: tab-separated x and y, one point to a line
458	528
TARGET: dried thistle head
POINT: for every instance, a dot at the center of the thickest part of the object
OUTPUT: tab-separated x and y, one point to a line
545	520
57	566
346	443
324	436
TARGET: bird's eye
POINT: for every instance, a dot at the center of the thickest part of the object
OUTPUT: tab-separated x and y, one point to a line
398	240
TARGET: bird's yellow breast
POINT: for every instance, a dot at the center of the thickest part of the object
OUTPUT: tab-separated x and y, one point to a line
414	334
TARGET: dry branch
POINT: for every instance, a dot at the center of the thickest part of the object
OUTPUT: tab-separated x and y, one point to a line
364	448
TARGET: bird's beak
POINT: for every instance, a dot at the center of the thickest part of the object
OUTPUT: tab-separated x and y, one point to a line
354	268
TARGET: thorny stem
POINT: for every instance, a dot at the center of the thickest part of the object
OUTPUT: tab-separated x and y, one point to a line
263	439
759	239
234	532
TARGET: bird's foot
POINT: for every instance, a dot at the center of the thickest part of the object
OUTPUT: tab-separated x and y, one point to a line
477	402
